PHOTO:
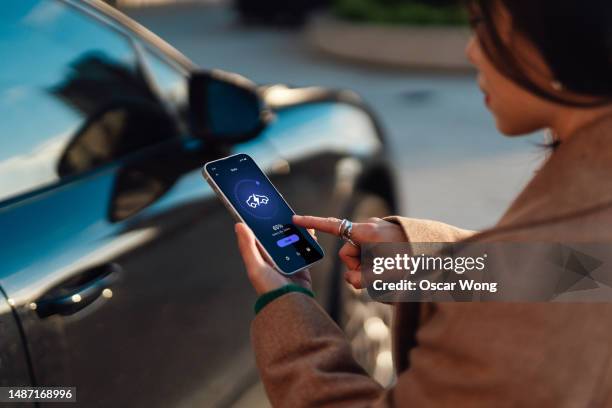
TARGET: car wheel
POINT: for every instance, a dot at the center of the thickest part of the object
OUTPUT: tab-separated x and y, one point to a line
367	324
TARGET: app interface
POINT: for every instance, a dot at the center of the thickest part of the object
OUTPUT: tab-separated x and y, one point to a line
265	212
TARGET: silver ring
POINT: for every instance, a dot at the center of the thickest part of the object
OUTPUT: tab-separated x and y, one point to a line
342	227
345	231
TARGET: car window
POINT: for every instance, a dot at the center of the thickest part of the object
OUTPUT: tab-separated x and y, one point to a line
72	96
171	83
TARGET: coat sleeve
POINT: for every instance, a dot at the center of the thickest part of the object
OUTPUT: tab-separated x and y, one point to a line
304	359
420	230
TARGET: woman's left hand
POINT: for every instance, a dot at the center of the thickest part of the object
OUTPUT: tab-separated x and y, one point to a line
262	275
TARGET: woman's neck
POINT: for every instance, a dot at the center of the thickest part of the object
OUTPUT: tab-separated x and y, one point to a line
572	120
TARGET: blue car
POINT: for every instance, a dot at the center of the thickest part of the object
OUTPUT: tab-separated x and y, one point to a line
119	272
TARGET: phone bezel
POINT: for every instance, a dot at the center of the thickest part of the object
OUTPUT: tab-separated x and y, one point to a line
228	204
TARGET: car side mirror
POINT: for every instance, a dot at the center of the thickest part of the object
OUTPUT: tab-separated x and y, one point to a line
225	107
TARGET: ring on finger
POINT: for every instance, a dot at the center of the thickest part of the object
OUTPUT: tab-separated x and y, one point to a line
345	231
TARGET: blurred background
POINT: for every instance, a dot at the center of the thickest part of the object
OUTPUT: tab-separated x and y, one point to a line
404	57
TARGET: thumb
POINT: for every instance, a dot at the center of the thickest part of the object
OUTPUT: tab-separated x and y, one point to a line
248	247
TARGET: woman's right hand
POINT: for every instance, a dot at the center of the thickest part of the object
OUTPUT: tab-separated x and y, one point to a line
374	230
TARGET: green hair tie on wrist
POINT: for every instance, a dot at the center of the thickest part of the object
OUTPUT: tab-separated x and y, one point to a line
268	297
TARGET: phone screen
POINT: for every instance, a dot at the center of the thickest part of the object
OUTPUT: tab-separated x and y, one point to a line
265	211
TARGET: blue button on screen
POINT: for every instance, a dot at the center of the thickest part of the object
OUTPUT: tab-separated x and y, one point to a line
287	240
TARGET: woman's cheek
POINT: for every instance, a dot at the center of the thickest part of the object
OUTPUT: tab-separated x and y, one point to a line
506	119
514	120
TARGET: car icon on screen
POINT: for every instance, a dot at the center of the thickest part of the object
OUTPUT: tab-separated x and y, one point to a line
255	200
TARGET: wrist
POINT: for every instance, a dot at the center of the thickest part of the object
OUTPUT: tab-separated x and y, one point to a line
270	283
268	297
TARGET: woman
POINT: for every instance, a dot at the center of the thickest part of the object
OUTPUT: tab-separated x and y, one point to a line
543	64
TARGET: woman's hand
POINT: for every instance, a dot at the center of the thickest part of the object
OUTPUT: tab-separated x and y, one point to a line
375	230
264	277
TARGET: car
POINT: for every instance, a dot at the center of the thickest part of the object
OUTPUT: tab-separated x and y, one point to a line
119	271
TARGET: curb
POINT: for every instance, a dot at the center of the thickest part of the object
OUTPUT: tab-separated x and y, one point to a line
392	46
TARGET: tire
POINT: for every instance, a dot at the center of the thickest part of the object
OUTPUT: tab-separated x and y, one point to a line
367	324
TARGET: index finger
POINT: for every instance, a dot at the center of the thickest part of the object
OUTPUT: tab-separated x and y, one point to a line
329	225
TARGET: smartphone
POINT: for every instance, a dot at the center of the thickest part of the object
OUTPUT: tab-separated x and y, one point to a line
252	198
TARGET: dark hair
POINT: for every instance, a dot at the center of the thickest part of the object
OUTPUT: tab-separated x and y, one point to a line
573	36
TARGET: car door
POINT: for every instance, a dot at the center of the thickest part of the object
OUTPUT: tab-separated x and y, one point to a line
14	370
117	258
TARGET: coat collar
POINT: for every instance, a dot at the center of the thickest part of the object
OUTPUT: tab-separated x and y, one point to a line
576	178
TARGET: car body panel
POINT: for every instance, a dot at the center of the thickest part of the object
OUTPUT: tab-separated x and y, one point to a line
14	366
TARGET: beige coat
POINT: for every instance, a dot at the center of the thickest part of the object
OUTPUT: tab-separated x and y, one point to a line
469	354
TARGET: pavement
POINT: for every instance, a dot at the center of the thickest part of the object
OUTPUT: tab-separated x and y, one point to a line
453	164
423	47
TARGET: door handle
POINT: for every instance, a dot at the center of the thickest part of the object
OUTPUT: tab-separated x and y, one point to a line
79	291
